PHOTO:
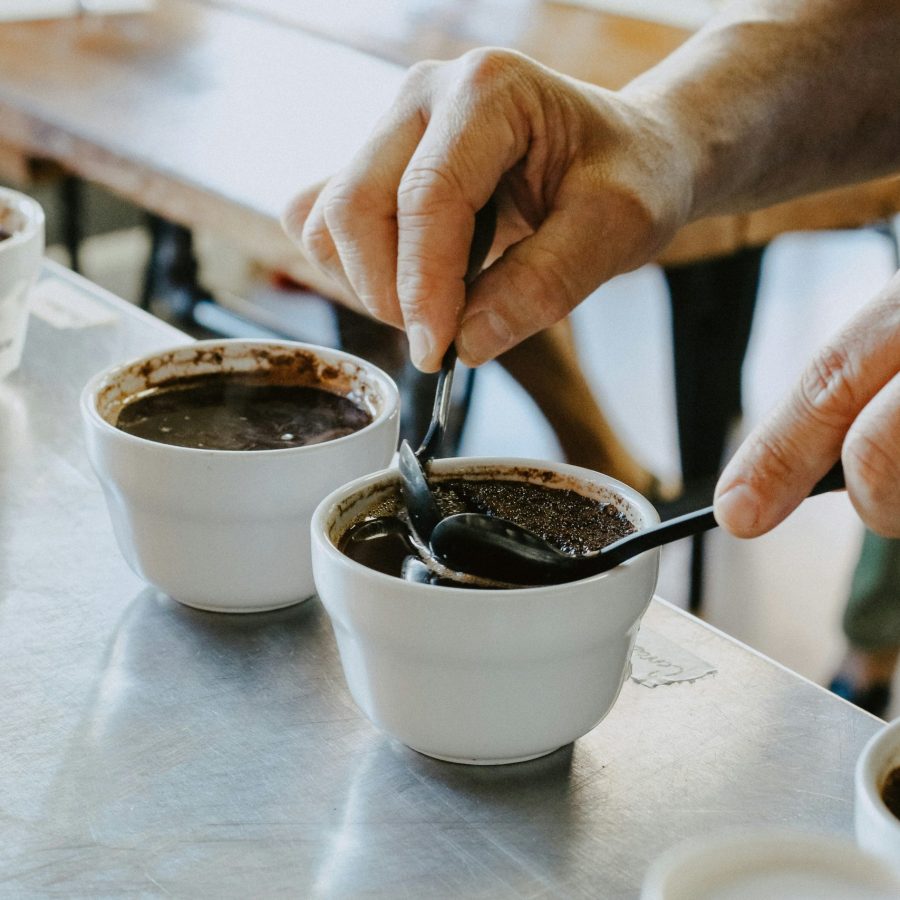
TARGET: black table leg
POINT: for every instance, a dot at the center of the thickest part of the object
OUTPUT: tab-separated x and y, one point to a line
171	282
712	313
72	195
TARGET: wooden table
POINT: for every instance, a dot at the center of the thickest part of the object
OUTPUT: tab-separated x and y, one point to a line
151	750
214	112
207	117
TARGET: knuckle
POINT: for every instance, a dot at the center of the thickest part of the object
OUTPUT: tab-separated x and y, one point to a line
423	295
826	388
774	460
881	516
541	281
871	468
485	66
380	306
294	218
425	187
413	293
555	268
346	205
315	240
419	74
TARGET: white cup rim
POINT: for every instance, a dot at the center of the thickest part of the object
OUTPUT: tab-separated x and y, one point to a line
868	775
31	210
461	593
741	850
382	379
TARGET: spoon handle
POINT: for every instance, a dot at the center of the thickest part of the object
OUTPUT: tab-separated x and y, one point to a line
482	238
686	525
638	542
440	414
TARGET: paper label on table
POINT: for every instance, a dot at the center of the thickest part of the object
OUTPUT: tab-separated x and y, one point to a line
63	306
656	660
691	14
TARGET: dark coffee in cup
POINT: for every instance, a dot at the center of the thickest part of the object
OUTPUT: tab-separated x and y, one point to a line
240	411
890	793
382	539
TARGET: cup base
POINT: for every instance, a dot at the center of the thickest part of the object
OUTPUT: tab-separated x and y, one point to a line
242	610
503	761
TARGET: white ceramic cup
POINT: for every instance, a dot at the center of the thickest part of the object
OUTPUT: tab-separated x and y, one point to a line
768	864
20	260
877	828
478	676
228	530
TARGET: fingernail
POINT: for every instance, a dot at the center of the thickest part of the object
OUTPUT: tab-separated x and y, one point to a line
483	336
420	344
738	510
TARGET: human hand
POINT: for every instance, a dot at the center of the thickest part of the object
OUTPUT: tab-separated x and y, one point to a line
846	405
588	185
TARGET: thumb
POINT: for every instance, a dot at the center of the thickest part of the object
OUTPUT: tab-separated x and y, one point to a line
774	469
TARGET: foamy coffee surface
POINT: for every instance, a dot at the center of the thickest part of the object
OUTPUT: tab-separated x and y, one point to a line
229	411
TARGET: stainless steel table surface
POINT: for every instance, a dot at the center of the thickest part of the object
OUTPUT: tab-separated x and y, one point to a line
147	749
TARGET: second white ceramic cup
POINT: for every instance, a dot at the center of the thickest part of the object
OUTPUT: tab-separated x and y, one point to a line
483	676
228	530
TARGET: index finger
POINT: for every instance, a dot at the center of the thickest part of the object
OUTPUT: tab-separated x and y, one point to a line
777	465
460	159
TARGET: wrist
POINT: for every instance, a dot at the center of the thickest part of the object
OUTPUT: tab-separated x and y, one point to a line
662	158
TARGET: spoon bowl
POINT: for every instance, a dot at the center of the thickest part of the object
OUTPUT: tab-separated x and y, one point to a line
490	547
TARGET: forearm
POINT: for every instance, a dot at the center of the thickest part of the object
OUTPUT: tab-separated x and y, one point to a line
776	98
779	98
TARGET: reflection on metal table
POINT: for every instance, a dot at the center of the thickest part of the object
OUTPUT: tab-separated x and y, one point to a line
147	749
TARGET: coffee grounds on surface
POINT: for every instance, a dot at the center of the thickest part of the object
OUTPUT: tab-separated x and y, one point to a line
572	522
234	412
